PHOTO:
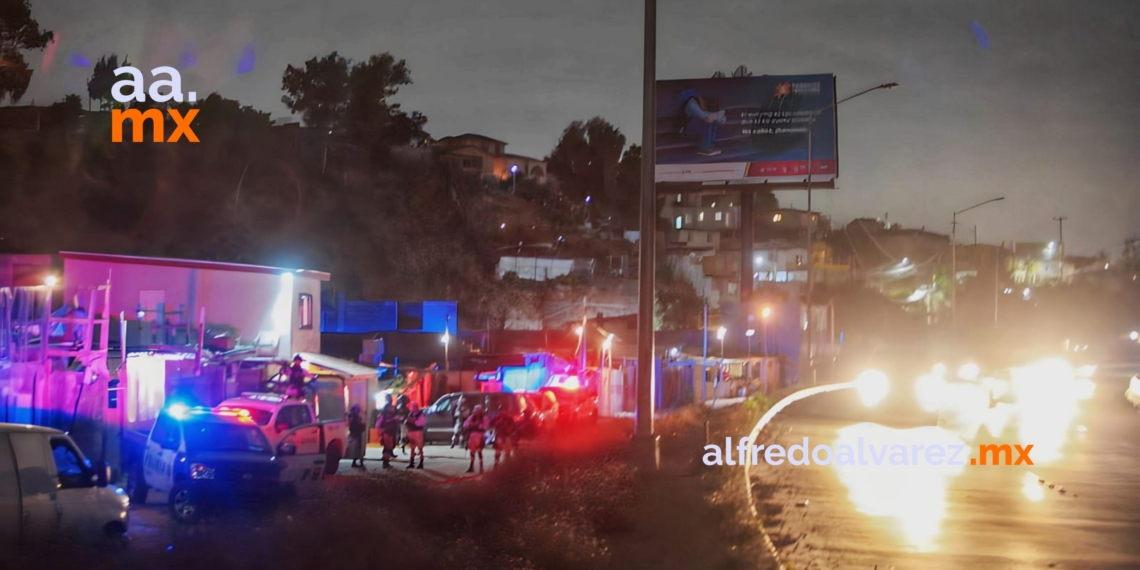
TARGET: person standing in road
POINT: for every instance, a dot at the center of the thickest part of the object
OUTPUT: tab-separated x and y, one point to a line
505	431
462	412
415	423
356	427
475	427
388	426
402	413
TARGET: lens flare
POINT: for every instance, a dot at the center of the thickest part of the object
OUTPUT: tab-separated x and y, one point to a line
872	387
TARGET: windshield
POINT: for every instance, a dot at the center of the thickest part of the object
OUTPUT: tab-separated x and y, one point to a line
225	437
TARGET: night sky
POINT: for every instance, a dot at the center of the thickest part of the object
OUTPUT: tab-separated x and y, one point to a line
1031	99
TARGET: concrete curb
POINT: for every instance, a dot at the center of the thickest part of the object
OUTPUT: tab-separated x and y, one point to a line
755	433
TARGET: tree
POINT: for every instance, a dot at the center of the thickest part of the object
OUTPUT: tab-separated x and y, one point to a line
585	160
19	32
629	186
318	91
740	71
103	80
66	112
352	101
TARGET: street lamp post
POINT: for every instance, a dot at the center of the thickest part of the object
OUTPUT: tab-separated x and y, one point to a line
811	217
446	340
514	175
720	334
954	258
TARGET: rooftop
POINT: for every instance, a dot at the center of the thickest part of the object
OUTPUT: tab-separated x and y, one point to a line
469	135
189	263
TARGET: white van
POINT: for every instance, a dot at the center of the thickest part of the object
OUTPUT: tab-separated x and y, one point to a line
46	485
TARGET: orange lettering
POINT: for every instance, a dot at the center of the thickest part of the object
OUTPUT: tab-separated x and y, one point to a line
182	125
137	118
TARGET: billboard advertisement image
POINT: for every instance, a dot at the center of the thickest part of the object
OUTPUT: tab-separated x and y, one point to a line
746	129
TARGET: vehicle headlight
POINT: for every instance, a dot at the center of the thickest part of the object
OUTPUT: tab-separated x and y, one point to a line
929	391
199	471
872	386
969	372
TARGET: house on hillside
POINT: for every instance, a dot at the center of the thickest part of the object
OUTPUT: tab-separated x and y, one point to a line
275	309
488	158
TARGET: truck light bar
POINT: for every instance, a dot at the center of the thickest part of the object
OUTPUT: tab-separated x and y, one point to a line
263	397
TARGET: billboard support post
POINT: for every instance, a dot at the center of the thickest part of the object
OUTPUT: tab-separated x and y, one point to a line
648	238
747	229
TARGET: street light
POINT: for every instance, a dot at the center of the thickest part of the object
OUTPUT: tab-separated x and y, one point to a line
1134	335
749	333
446	341
514	172
811	217
954	258
51	281
720	336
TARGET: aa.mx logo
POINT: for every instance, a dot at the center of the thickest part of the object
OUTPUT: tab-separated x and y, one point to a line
158	121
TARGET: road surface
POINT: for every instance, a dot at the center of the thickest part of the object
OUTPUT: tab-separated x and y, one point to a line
1078	506
151	524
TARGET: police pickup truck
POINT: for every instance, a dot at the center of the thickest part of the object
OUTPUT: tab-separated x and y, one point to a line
205	460
277	415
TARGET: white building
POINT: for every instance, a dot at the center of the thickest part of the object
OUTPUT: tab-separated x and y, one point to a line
273	308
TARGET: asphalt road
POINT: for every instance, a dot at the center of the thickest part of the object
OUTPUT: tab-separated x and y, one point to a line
152	527
1085	513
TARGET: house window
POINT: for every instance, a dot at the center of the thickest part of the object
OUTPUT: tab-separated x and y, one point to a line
701	217
677	222
719	216
305	305
678	198
731	287
776	218
799	260
471	163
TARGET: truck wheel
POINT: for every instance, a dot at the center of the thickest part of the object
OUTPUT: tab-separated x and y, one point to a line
185	506
333	456
137	490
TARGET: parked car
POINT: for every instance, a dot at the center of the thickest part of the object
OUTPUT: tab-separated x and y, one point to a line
47	485
205	460
539	415
440	416
573	407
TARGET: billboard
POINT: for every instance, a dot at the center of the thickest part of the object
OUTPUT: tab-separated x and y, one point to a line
746	129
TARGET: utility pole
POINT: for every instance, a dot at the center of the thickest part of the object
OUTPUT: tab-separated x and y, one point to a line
954	259
646	356
1061	238
811	222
